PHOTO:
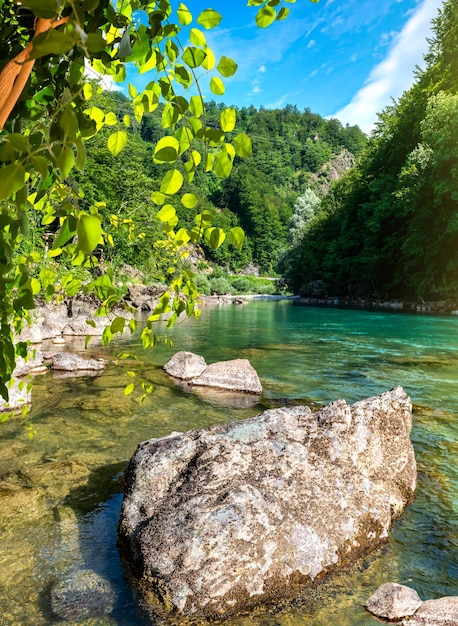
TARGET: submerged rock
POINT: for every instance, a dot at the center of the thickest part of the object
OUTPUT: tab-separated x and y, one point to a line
65	361
216	520
82	594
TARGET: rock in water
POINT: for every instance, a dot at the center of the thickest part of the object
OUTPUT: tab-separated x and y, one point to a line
392	601
216	520
185	365
82	594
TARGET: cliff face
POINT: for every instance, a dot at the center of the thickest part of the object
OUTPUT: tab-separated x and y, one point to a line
331	171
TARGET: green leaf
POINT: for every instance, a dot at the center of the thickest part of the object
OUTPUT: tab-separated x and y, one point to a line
117	325
283	13
215	237
189	200
228	118
65	161
132	90
68	122
193	57
167	149
51	42
172	182
182	237
184	15
166	213
242	145
237	237
110	119
158	198
94	42
210	59
89	232
222	165
128	389
12	178
265	16
66	231
209	19
42	8
197	37
196	106
217	86
227	67
184	136
117	141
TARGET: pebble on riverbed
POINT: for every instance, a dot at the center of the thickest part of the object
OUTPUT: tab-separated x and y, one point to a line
82	594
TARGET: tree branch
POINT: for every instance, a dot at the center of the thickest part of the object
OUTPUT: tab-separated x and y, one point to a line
15	74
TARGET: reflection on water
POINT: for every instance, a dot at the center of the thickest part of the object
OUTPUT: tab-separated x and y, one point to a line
60	492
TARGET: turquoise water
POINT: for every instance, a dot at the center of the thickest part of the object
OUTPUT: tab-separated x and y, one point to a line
314	355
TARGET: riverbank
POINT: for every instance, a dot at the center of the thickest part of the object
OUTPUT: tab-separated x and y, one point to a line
449	307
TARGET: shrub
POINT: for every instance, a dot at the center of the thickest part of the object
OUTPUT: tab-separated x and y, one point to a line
220	286
203	284
242	284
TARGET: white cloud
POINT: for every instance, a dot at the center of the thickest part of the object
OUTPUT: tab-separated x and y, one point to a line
311	43
394	74
262	69
106	82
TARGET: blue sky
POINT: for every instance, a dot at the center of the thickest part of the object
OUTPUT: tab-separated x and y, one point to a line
340	58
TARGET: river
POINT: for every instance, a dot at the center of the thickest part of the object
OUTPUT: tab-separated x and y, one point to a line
60	489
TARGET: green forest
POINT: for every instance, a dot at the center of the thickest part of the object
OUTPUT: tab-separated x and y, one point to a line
290	154
387	228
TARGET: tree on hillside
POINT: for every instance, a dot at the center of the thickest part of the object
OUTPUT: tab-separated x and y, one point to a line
392	231
47	117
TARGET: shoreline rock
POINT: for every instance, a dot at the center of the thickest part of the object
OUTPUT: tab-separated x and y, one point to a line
219	520
401	604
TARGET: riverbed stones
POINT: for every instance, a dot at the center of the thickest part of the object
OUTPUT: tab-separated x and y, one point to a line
82	594
66	361
392	601
235	375
220	519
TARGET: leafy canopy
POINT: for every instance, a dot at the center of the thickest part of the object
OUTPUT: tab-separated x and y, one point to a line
47	115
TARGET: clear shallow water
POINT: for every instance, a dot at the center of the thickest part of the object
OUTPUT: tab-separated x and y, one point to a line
49	525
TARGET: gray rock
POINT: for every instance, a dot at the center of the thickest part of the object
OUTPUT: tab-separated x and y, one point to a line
82	594
31	365
236	375
440	612
217	520
185	365
79	326
71	362
392	601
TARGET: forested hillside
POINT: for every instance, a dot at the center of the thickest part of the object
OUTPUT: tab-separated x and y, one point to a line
389	228
290	149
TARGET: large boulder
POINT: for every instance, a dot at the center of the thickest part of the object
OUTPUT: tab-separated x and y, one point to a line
216	520
236	375
440	612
